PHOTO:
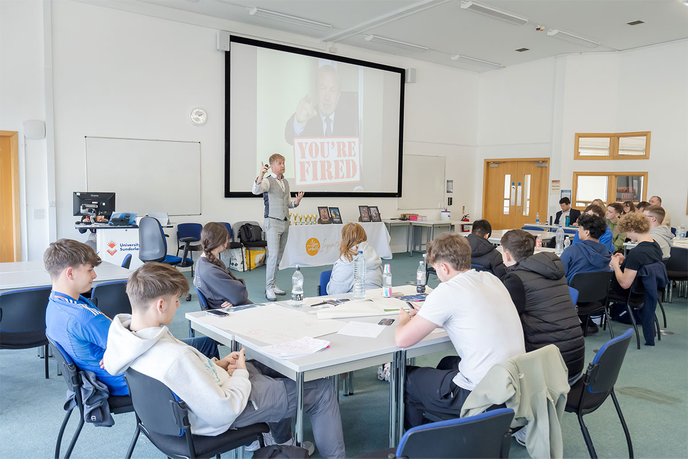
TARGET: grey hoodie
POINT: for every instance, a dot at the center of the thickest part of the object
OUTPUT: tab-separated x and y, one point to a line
665	238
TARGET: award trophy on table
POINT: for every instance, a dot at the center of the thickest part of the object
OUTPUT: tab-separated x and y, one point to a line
301	217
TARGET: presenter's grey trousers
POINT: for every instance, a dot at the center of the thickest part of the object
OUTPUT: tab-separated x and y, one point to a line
276	232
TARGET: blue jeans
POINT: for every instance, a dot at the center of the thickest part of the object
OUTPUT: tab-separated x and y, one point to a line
204	345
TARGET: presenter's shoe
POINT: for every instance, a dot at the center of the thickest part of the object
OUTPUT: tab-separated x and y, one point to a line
270	295
278	291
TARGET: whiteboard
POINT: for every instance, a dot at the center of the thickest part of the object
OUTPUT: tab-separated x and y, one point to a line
146	175
422	183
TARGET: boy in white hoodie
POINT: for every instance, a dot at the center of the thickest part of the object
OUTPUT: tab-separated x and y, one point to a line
217	392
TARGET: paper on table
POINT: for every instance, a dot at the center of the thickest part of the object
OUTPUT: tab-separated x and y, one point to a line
358	308
297	348
361	329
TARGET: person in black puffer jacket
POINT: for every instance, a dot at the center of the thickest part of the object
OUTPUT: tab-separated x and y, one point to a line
541	295
483	253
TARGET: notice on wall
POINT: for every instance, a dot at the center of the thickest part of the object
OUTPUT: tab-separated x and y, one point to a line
555	187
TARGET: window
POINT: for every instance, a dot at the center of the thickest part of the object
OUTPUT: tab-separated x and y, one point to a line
625	145
609	187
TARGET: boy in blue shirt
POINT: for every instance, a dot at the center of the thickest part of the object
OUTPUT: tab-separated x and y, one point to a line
74	322
607	239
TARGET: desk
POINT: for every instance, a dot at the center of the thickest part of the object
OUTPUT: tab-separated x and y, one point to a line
545	226
318	245
430	233
403	223
346	353
496	237
28	274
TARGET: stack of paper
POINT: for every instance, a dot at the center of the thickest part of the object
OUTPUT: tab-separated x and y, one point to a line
361	330
297	348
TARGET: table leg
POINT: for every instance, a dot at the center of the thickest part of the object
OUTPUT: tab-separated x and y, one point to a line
409	244
401	387
393	397
299	409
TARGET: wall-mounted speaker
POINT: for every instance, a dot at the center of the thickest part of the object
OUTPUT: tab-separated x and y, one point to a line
410	75
222	40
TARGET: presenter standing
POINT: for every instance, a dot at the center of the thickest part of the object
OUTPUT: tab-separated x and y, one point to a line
276	198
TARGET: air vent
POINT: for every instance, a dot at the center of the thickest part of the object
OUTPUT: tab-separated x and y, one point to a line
520	50
636	22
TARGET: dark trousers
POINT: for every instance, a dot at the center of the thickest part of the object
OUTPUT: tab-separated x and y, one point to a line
204	345
432	390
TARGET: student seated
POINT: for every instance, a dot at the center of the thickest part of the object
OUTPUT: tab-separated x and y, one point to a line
657	201
641	206
483	253
628	207
566	211
220	394
538	288
607	239
614	212
660	233
588	255
75	323
220	288
354	239
476	312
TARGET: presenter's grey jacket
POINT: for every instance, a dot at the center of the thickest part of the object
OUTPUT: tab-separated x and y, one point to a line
276	197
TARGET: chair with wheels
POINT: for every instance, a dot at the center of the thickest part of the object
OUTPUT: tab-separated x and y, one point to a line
677	271
251	245
591	390
22	320
164	419
593	291
153	246
126	263
118	404
189	234
324	280
111	298
485	435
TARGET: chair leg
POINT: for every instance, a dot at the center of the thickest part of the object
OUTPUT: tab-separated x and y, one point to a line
635	326
137	432
661	306
47	358
350	383
608	321
248	266
623	424
655	324
585	325
75	437
61	433
192	334
586	436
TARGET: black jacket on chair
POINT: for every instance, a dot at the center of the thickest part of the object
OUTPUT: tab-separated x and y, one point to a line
573	213
539	290
483	253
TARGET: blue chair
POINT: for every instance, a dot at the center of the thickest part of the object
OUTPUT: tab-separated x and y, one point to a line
189	234
485	435
532	228
574	294
153	246
202	301
22	320
70	372
324	280
232	243
164	419
111	298
593	292
126	263
591	390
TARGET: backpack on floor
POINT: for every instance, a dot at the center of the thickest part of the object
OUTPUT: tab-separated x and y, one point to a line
250	233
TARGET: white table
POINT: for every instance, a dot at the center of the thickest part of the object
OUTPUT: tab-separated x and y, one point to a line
496	237
28	274
430	233
346	353
500	249
403	223
318	245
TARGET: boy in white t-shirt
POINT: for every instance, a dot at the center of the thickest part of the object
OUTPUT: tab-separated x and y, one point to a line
477	313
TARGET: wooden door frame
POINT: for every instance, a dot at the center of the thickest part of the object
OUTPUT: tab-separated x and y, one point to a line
14	159
506	160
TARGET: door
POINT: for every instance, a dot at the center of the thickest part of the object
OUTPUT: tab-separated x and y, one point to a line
515	191
10	245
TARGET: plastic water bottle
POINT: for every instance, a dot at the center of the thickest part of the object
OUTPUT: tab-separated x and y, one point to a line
681	231
537	217
297	287
538	241
387	282
420	278
359	276
560	241
567	243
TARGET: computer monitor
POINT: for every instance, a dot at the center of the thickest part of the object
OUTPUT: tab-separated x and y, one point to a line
93	203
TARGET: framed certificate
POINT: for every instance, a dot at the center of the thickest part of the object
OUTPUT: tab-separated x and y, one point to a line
374	214
364	214
335	216
324	216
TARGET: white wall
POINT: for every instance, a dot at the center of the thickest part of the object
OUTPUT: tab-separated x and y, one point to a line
22	97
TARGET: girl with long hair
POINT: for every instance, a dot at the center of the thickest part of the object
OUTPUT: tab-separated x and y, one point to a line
354	239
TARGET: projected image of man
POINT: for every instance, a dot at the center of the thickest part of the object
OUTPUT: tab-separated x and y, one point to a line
333	116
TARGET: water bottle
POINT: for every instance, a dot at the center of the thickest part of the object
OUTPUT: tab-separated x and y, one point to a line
359	276
387	282
297	287
560	241
681	231
538	241
420	278
567	243
537	217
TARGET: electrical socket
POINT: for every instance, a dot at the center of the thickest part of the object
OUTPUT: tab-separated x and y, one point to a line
39	214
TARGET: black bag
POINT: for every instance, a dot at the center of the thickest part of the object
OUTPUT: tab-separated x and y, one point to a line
277	451
250	233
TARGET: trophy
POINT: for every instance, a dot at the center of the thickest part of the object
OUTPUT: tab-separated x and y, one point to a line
301	217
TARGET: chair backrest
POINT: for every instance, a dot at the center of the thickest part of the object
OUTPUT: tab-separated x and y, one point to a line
22	318
574	294
478	267
532	228
189	230
673	231
152	243
678	261
202	300
604	370
126	263
593	286
155	404
69	370
477	436
111	298
324	280
229	230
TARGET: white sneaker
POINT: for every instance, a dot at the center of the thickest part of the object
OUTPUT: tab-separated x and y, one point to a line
278	291
270	295
520	436
268	440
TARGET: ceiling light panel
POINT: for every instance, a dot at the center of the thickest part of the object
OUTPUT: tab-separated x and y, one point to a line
395	43
494	13
281	17
571	38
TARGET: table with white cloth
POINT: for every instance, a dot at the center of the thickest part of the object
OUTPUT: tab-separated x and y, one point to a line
318	245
